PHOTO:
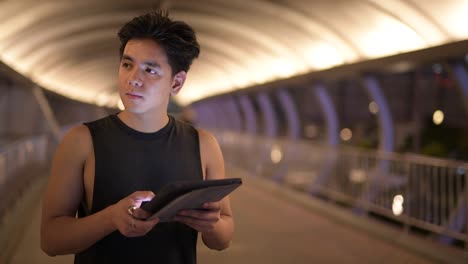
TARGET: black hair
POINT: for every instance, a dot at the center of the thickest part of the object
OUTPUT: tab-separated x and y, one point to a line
177	38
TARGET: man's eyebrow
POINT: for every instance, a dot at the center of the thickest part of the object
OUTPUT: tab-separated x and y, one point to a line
126	57
152	64
149	63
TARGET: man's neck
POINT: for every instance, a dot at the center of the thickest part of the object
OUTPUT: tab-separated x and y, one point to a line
146	123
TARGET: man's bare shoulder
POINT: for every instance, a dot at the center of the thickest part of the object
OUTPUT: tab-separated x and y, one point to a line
207	138
208	142
78	138
211	155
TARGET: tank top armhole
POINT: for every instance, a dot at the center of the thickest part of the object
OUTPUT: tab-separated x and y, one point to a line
89	211
199	156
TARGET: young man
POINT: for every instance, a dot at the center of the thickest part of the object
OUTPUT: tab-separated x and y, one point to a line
105	169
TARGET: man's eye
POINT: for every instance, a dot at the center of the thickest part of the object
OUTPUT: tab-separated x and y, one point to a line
126	65
151	71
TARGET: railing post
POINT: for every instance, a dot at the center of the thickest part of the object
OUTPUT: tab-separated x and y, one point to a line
466	209
3	173
407	197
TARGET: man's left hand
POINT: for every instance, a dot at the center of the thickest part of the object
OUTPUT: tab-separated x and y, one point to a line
202	220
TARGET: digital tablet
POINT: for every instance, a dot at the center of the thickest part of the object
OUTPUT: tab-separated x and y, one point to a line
185	195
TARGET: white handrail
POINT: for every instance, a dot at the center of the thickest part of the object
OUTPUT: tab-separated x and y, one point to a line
419	191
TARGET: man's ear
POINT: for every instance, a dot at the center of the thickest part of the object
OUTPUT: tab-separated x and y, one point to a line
178	82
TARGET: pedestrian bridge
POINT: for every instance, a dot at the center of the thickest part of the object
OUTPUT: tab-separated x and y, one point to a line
347	120
287	211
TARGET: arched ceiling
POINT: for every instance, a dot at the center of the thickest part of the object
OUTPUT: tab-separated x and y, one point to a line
71	47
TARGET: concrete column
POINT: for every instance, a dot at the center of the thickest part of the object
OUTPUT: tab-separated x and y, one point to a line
289	107
379	179
331	121
204	116
461	75
232	109
269	117
199	119
459	215
386	128
47	112
5	91
249	140
22	116
330	114
250	117
270	133
222	114
209	110
217	119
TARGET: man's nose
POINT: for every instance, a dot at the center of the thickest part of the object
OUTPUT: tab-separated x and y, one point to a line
135	79
137	83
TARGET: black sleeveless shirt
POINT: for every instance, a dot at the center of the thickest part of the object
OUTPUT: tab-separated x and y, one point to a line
127	161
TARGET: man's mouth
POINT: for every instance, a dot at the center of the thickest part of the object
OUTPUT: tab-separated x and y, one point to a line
134	96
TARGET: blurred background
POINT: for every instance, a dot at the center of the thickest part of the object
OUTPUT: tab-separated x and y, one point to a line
347	119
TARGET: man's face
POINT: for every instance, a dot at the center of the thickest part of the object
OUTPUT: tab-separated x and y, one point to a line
145	77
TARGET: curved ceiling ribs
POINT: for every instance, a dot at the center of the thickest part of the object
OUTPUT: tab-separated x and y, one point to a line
70	46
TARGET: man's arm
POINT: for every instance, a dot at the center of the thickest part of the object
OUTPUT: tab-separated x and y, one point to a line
61	232
216	224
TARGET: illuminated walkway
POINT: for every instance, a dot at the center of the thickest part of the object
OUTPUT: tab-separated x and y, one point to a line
274	227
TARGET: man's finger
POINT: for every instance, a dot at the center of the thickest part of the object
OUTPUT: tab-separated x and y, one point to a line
199	225
143	226
141	214
146	224
142	196
212	205
199	216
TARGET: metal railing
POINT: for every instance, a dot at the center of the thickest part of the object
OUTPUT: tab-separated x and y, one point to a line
19	188
421	192
16	155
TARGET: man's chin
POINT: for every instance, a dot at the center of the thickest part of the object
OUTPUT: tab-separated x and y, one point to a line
134	109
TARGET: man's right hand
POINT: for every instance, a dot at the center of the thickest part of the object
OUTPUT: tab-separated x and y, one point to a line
132	223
